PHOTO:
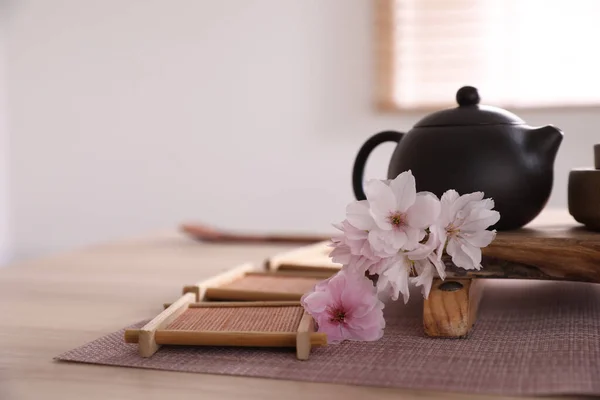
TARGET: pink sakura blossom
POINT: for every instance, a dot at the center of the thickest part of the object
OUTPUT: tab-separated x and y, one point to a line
346	307
399	235
352	249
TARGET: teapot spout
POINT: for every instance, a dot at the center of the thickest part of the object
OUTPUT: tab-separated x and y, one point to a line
544	142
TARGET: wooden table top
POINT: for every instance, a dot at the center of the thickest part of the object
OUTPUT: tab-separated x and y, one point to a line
51	305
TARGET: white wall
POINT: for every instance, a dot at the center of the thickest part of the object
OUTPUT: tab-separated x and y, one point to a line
134	115
4	218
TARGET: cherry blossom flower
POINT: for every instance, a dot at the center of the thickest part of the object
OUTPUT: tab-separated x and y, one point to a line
352	249
426	272
428	265
346	307
351	242
422	261
463	222
394	214
400	236
394	279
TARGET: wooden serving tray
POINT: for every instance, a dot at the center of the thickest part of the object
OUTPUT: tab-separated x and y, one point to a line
251	324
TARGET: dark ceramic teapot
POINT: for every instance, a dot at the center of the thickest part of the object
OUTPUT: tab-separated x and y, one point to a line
475	148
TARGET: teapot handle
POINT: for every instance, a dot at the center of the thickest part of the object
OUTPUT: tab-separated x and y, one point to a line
363	154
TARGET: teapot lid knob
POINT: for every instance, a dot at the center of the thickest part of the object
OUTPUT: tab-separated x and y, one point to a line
467	96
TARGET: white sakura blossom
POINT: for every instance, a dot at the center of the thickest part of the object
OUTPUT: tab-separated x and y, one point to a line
426	272
394	279
462	224
422	261
394	214
427	264
400	235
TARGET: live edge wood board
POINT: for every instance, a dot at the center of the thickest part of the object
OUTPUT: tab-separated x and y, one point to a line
568	253
562	252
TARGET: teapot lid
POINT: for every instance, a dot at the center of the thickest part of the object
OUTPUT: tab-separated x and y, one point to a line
469	112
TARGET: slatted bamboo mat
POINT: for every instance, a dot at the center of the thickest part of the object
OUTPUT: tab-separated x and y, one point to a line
282	284
252	319
531	338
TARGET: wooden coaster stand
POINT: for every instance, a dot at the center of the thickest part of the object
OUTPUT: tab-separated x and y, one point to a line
308	259
164	330
273	290
247	283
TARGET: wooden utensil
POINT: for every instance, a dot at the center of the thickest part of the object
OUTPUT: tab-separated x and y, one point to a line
206	233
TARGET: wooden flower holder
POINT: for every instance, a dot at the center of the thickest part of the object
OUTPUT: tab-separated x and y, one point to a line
245	324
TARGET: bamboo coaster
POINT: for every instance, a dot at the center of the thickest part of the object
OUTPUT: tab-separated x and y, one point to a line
199	289
311	259
244	324
246	283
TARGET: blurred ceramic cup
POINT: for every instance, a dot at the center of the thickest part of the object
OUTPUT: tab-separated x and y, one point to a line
584	193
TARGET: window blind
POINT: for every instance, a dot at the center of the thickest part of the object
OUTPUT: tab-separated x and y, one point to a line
518	53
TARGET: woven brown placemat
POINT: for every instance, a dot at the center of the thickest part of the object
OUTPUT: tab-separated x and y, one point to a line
531	338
